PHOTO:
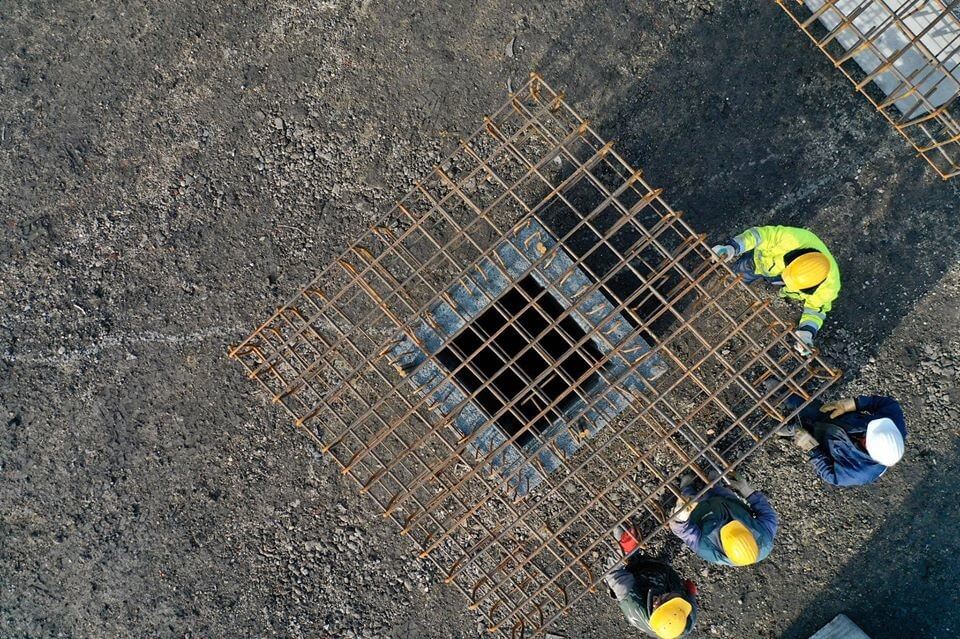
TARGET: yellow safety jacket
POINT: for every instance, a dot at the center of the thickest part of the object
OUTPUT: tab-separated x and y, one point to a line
770	245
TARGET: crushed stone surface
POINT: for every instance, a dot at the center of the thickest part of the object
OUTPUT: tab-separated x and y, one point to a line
170	172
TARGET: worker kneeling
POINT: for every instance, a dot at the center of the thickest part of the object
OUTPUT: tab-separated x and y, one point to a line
851	442
724	528
795	259
650	594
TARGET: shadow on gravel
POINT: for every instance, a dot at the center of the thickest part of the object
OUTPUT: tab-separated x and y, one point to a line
743	122
906	580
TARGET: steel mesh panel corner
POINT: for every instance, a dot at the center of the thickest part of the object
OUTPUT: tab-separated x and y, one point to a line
904	57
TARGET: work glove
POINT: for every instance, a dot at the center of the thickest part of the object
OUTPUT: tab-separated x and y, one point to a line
682	513
839	407
805	345
805	441
740	485
726	252
690	586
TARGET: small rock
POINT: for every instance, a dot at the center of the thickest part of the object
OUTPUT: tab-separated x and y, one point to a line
509	51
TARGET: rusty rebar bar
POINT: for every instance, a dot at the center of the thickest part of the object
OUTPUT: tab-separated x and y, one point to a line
526	351
921	105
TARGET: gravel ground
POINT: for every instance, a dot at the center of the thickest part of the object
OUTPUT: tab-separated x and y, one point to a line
170	172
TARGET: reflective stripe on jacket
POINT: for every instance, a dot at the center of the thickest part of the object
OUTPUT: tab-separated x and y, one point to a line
770	245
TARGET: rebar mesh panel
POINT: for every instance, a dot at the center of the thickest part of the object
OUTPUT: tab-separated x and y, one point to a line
529	349
904	56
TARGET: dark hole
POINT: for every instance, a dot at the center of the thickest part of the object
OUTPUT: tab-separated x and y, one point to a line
514	382
646	307
620	281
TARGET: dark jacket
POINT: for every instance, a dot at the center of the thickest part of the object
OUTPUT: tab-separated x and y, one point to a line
720	506
653	579
839	459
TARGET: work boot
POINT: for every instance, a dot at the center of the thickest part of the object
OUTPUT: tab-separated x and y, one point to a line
790	401
805	441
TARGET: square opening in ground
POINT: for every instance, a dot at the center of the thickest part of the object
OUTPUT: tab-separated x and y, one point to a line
501	334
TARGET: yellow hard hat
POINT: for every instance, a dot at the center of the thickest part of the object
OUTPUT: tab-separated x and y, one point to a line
738	544
669	620
808	270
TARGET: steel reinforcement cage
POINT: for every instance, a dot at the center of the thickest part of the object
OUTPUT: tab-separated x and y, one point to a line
528	350
904	56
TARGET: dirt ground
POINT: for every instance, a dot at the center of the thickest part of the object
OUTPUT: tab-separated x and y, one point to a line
171	171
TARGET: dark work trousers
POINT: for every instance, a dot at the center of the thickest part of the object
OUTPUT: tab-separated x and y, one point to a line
811	419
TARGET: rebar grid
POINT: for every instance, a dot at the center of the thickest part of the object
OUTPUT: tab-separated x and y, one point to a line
533	254
904	56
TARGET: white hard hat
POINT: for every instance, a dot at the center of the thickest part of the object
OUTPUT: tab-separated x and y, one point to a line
884	441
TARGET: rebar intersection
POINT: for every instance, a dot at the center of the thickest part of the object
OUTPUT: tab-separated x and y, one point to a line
904	56
530	348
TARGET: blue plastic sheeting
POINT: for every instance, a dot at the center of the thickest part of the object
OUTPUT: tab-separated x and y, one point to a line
593	312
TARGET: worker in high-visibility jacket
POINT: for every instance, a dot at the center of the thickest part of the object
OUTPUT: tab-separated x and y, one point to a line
795	259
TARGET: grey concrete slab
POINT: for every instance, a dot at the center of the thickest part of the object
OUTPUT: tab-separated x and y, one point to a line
840	628
909	35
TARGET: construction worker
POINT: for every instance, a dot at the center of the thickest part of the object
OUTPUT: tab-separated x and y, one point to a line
650	594
795	259
851	441
723	528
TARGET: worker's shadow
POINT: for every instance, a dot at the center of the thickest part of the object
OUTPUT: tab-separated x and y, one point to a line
905	580
744	123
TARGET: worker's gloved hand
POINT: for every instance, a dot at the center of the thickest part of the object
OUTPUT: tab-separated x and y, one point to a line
690	587
627	537
726	252
805	441
682	513
805	345
839	407
740	485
